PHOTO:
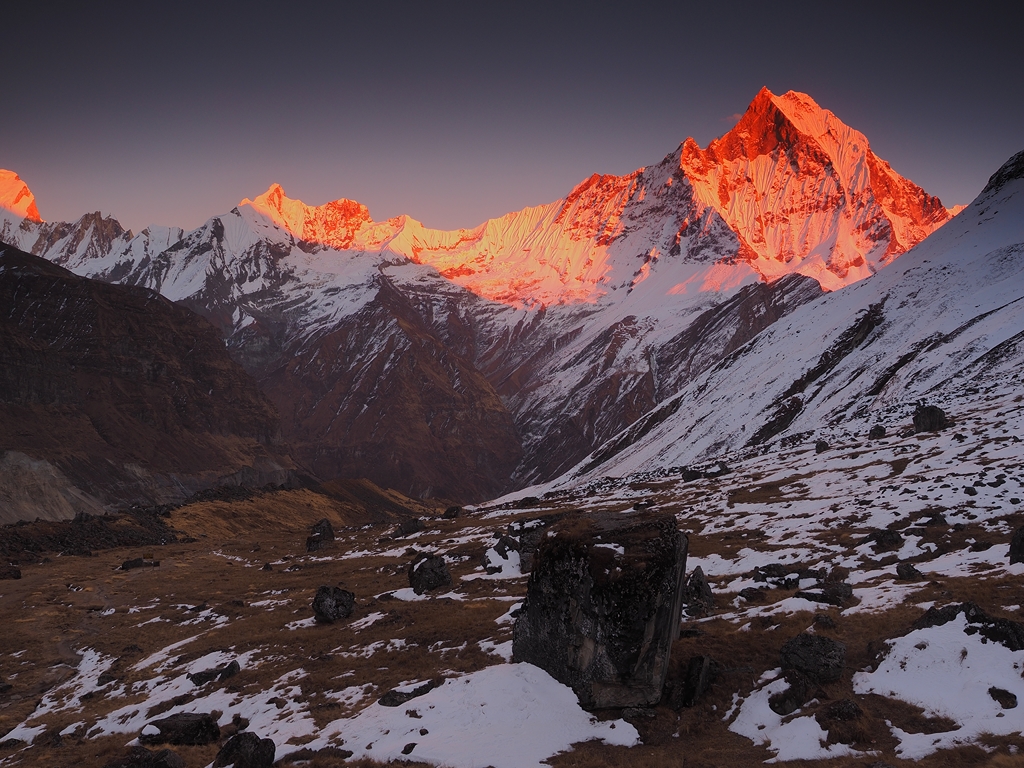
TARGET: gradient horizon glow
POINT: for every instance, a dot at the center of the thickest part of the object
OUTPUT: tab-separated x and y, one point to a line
453	114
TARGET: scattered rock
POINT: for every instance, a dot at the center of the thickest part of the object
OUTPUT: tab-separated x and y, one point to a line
1003	631
1004	698
1016	547
603	620
332	604
821	446
428	572
408	748
220	673
323	529
720	469
452	513
408	527
697	596
138	562
840	720
267	567
752	594
886	540
140	757
820	658
832	593
246	750
824	621
529	534
9	572
799	691
929	418
395	698
700	675
877	432
970	490
907	572
505	545
182	728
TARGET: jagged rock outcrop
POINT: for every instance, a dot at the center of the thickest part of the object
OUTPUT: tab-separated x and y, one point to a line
603	606
114	395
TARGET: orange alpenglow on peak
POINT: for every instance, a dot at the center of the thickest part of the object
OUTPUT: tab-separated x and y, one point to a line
790	189
333	224
16	197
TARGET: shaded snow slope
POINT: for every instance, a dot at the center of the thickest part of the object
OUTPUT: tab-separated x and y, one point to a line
947	318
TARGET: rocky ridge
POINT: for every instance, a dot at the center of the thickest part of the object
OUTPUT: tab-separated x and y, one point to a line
534	337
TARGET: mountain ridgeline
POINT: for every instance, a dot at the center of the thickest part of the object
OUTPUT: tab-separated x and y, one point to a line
464	364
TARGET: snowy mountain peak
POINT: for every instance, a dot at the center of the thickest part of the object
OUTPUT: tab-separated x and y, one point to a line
805	193
333	224
16	197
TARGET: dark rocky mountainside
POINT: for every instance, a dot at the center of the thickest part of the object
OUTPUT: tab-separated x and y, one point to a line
115	395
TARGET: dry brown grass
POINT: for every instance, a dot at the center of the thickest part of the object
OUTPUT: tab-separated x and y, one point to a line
49	621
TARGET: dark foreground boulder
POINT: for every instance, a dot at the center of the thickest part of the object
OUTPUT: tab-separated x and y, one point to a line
140	757
929	418
427	573
246	750
182	728
331	604
819	658
1017	547
603	606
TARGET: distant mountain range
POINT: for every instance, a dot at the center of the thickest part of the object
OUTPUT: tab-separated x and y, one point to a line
468	363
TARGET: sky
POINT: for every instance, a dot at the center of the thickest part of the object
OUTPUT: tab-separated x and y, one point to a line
454	112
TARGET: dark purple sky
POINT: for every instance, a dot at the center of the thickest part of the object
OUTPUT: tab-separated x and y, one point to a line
455	112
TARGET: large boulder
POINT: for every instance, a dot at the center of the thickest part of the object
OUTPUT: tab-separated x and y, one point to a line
246	750
182	728
819	658
428	572
603	606
929	418
331	604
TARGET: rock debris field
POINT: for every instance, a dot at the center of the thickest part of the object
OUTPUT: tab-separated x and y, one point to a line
858	605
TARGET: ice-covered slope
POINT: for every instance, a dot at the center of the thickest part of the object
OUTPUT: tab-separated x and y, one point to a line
944	324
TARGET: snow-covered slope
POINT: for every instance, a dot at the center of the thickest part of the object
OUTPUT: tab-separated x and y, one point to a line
557	325
944	324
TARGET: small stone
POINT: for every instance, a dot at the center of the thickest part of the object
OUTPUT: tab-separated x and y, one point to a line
452	513
1004	698
821	446
877	432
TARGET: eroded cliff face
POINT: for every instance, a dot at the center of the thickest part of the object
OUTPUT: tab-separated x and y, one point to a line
126	396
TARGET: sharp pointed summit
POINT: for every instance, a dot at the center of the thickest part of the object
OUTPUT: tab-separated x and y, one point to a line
16	197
